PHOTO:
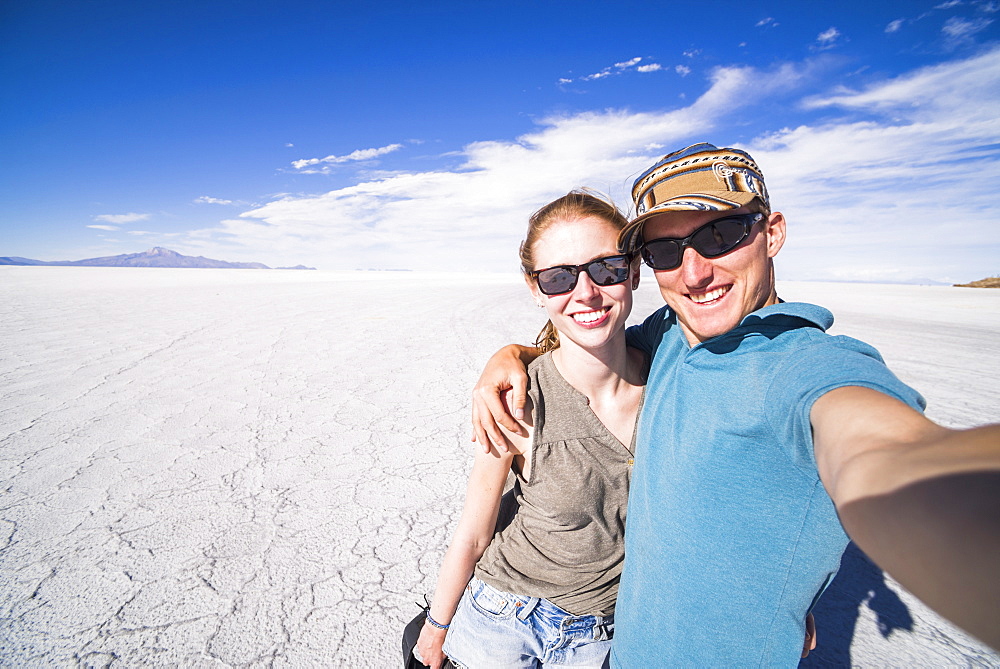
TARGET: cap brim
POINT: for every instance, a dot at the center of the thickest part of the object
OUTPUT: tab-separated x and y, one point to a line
706	201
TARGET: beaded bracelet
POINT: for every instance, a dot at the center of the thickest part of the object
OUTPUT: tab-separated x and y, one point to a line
434	623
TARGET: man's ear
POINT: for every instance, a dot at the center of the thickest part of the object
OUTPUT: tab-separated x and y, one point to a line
775	231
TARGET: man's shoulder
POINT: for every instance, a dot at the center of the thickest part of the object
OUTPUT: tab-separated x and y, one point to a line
648	335
788	315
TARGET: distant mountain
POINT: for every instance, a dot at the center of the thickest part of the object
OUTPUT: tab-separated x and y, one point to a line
154	257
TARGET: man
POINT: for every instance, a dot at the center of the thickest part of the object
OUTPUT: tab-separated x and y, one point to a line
762	439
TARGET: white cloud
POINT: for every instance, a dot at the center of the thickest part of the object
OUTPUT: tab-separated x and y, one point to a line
909	177
828	36
897	167
693	53
957	30
474	216
109	228
628	63
617	68
353	156
205	199
769	21
120	219
949	4
682	70
894	26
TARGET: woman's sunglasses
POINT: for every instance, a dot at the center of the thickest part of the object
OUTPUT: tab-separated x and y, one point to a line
603	271
711	240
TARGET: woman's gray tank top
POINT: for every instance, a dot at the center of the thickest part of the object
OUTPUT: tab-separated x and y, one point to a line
566	542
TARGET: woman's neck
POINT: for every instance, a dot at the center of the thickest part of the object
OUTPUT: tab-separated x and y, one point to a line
600	372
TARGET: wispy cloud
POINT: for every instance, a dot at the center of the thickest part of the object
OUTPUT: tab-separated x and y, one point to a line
768	22
205	199
617	69
353	156
473	216
121	219
109	228
682	70
828	38
958	30
908	177
900	178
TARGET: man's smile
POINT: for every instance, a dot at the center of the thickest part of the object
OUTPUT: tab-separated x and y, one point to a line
709	297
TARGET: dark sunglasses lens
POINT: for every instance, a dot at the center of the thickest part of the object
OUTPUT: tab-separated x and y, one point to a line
719	237
608	271
556	280
662	254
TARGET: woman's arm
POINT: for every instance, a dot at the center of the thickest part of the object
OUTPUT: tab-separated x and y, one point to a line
473	535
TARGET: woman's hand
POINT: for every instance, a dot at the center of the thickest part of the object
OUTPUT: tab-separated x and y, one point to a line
810	640
429	646
506	370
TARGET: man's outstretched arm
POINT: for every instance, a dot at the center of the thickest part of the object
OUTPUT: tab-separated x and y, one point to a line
921	500
506	370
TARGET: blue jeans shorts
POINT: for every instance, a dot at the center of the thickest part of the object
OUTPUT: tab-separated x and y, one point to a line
497	629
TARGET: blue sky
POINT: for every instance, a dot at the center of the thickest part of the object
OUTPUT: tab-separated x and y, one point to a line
421	135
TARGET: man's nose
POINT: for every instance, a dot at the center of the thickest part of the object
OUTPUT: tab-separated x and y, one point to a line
696	270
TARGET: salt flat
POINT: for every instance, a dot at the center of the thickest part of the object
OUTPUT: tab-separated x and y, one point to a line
216	468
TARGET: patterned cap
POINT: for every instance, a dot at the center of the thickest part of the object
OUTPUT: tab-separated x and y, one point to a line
701	177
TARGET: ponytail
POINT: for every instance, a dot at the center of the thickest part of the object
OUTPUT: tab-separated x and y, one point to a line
548	339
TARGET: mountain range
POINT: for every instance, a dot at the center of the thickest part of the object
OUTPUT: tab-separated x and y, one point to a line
154	257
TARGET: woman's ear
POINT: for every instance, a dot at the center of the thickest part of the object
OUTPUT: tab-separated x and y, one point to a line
535	293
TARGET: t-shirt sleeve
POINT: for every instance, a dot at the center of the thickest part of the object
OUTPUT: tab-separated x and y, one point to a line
812	372
647	335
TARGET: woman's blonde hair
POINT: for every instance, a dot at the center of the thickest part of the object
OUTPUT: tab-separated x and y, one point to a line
575	205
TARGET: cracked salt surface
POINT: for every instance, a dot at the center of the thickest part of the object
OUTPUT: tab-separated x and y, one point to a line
214	468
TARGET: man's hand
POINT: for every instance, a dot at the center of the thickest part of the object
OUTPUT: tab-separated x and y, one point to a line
506	370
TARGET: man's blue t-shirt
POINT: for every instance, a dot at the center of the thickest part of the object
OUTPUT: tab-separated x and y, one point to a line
731	536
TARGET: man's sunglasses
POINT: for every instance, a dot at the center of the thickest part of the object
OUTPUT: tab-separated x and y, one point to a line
711	240
603	271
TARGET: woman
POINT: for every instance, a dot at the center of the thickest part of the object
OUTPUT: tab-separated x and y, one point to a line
543	589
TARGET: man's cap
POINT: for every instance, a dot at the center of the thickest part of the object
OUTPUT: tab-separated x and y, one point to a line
701	177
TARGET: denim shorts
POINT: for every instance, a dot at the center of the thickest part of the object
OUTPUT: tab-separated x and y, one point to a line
497	629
